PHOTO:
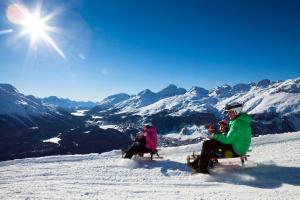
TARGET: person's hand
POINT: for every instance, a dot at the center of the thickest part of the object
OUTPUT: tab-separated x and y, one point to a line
211	129
139	135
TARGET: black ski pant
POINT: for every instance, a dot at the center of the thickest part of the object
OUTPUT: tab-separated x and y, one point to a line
209	149
138	147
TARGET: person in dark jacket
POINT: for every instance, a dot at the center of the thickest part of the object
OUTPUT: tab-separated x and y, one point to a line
233	144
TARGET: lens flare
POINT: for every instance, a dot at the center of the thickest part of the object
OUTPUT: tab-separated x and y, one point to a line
33	24
6	31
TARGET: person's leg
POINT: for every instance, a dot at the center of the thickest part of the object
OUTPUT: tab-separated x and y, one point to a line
208	152
200	164
135	150
141	141
225	151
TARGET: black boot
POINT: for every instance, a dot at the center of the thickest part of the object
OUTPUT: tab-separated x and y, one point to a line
194	164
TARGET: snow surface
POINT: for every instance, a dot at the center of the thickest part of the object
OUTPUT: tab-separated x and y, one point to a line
53	140
34	128
109	126
272	172
189	132
79	113
96	117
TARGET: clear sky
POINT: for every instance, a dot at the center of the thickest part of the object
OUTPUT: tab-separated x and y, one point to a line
105	47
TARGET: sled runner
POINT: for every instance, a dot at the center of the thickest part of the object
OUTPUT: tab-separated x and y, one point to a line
215	160
152	155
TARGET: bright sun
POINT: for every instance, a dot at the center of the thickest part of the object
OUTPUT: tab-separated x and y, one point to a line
33	24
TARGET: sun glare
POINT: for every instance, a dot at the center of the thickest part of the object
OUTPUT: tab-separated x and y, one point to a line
33	24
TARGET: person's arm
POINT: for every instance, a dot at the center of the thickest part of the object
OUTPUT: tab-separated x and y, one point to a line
140	135
213	130
216	131
229	137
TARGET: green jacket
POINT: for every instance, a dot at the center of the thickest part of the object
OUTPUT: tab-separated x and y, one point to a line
239	134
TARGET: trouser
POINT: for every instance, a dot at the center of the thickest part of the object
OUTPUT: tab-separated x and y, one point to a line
137	147
209	150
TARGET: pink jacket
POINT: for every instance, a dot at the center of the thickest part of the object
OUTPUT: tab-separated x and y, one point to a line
151	138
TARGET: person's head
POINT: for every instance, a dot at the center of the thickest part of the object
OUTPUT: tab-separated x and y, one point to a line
233	109
147	125
223	126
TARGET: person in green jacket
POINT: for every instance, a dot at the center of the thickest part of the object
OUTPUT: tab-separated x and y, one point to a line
233	144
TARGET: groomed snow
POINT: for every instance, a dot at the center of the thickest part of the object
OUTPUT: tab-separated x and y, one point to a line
273	172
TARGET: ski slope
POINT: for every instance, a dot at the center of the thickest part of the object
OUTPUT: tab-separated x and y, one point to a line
272	172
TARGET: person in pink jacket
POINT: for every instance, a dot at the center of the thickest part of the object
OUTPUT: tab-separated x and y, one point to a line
145	142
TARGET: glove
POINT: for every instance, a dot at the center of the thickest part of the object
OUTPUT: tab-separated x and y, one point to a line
211	129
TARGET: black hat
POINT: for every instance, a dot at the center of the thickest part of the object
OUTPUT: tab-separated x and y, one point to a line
233	105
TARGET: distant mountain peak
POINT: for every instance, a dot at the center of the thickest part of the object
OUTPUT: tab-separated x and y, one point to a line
67	103
117	96
146	92
8	88
264	83
171	90
241	87
198	91
171	86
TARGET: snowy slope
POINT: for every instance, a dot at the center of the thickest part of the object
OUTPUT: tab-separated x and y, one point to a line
273	172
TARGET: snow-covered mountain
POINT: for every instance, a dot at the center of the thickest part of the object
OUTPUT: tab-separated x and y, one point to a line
110	101
274	105
196	99
147	97
271	172
67	103
12	102
281	97
25	122
177	100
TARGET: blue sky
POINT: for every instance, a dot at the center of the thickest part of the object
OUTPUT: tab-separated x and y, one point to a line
113	46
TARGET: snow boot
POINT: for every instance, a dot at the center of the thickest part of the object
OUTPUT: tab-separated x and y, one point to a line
195	163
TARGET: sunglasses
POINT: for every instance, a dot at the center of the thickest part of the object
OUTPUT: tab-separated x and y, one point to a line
228	111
